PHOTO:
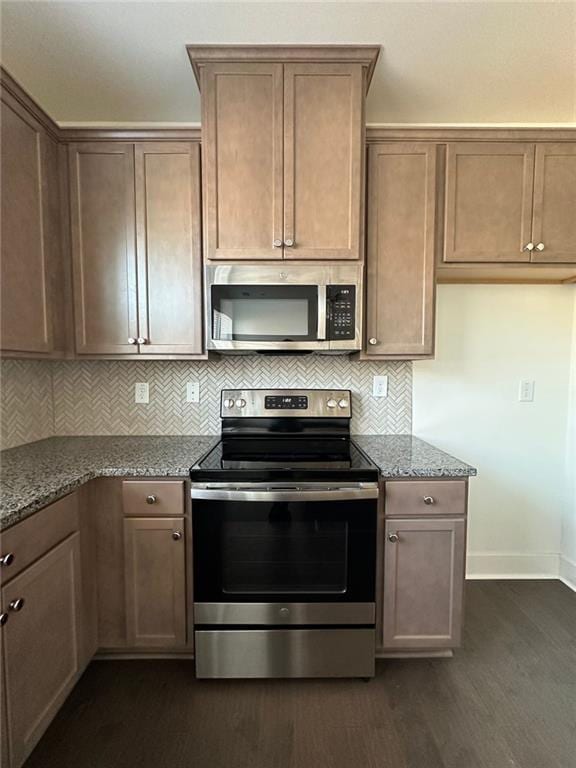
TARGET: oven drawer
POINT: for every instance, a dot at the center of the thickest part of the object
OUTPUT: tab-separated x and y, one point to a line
142	498
425	497
285	653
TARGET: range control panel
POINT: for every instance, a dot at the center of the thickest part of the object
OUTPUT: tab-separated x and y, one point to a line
341	306
284	402
280	403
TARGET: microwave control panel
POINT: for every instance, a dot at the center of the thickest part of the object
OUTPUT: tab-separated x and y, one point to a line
341	311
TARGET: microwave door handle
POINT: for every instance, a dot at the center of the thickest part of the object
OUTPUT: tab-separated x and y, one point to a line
321	334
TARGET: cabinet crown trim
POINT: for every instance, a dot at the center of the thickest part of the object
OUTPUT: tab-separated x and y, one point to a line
367	55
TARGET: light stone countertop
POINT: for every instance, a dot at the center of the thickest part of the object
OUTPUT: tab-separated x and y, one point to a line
36	474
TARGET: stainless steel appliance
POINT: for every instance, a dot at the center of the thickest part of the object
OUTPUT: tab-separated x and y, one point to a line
284	513
283	307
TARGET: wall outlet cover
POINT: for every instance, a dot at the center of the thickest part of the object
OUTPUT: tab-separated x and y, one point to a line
526	391
141	392
192	392
380	386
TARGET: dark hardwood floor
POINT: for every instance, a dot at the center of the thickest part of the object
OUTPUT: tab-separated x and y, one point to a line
506	700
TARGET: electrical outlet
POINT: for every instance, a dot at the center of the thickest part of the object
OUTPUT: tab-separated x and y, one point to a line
192	392
526	391
380	386
141	392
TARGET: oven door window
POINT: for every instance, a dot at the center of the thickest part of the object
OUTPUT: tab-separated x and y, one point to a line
282	556
264	312
269	551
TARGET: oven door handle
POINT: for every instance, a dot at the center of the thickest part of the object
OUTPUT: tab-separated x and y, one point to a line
340	493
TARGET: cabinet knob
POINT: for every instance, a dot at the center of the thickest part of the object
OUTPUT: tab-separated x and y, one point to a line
289	243
176	535
528	247
393	537
131	340
142	340
6	559
17	604
277	243
3	619
429	500
152	499
540	247
373	341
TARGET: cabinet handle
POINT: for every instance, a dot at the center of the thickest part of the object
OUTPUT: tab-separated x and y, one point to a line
528	247
373	341
3	619
6	559
152	499
429	500
131	340
393	537
277	243
289	243
177	535
142	340
540	247
17	604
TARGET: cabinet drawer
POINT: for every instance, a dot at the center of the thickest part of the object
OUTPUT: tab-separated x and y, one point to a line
33	537
153	497
425	497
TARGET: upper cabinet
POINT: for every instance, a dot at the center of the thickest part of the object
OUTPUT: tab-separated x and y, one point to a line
510	202
30	230
135	223
402	236
554	219
283	143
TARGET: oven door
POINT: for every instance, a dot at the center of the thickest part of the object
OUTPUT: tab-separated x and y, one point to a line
245	316
276	555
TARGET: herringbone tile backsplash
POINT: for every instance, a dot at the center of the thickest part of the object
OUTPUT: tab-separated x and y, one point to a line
97	397
26	405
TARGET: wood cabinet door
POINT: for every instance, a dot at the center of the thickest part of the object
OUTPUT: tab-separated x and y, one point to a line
155	582
323	161
25	292
41	644
401	249
554	221
103	247
423	583
488	202
242	134
168	247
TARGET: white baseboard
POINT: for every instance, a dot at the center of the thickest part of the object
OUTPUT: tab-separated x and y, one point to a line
568	572
512	565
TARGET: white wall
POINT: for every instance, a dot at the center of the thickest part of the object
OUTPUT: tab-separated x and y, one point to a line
568	555
466	402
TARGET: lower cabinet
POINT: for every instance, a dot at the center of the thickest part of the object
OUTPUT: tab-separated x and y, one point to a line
41	643
155	565
423	583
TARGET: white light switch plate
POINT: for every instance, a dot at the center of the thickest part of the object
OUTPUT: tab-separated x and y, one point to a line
380	386
141	392
526	391
192	392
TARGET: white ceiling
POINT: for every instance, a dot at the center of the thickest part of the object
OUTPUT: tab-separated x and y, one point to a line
456	62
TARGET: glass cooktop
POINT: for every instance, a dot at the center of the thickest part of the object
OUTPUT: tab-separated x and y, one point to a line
269	458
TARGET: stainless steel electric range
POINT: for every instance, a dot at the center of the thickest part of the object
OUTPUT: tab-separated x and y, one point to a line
284	513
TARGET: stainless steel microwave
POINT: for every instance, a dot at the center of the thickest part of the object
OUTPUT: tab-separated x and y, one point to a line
283	307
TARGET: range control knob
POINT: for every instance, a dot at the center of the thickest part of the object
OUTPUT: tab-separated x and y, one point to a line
240	403
331	403
343	403
228	403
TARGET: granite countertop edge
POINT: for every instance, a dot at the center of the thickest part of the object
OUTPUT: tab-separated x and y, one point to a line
396	456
